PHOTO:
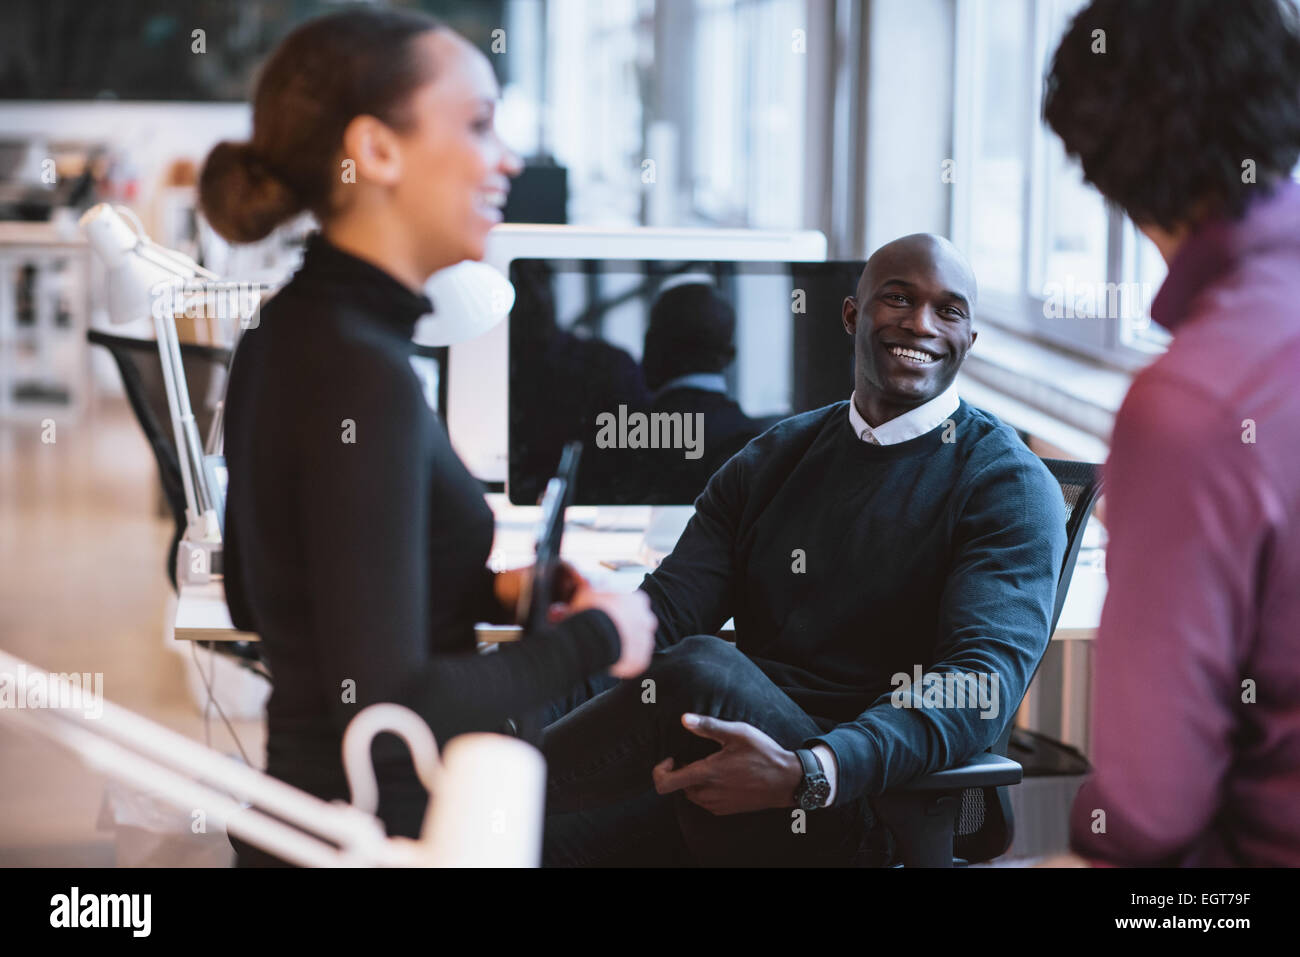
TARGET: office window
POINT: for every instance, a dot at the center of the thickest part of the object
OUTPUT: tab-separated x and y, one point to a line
711	91
1145	268
1074	225
746	113
597	60
1052	257
997	167
718	126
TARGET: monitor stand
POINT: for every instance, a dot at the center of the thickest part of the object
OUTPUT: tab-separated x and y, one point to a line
667	522
660	527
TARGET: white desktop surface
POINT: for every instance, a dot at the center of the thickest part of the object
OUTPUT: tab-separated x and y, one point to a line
202	615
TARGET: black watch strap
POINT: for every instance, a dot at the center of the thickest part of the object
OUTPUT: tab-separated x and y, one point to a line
815	788
811	763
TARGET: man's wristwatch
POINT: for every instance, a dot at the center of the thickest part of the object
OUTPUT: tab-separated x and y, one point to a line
814	789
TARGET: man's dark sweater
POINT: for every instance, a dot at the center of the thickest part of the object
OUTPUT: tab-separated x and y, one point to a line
845	563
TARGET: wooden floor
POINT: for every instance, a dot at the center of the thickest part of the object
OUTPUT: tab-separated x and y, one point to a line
83	589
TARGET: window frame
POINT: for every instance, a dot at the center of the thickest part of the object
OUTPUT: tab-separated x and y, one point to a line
1112	341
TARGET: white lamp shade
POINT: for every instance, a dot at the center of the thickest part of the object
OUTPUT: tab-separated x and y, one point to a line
136	284
136	288
469	298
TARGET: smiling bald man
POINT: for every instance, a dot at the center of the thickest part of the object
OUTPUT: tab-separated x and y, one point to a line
911	326
890	562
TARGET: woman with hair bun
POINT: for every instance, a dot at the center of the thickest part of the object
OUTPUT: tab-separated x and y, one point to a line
356	540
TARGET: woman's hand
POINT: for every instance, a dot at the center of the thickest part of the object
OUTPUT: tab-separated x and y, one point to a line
635	622
512	584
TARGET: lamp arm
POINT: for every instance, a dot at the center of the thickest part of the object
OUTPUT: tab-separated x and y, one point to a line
189	450
175	262
294	825
160	255
201	516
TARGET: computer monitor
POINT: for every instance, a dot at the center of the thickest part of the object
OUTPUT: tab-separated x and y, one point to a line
663	369
477	370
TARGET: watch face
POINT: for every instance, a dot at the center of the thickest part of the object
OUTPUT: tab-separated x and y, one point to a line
814	794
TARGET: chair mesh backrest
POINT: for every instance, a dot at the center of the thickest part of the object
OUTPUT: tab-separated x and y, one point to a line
1080	485
983	828
141	369
973	813
1079	482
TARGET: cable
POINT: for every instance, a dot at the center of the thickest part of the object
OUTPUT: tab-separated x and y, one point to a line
210	684
213	702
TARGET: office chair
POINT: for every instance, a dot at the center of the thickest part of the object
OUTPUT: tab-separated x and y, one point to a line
964	812
137	360
142	377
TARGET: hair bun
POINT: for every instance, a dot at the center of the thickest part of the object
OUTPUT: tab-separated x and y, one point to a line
242	199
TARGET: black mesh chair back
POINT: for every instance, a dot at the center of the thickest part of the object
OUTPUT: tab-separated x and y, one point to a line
985	827
205	373
142	378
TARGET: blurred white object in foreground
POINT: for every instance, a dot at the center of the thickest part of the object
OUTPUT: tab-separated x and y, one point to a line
487	810
486	797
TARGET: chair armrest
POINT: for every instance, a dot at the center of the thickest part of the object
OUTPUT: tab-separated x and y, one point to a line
982	771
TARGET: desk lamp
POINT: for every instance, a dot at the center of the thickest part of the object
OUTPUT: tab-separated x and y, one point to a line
146	279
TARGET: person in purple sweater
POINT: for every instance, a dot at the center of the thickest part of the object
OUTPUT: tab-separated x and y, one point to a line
1190	121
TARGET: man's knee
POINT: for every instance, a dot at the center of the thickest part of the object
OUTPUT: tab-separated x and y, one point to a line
695	661
702	649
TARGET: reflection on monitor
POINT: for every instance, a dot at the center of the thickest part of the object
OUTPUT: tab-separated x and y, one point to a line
664	370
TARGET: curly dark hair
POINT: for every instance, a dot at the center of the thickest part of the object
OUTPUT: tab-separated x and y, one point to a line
1185	92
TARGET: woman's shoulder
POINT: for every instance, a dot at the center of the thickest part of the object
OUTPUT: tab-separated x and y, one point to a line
326	335
309	361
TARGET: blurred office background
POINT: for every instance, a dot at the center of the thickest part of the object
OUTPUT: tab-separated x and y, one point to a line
865	120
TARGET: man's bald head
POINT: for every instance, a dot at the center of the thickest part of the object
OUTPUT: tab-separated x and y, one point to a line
935	251
911	324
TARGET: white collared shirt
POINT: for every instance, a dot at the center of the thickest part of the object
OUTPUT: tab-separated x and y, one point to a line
703	381
911	424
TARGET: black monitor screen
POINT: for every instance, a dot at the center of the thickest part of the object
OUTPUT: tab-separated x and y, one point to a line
664	370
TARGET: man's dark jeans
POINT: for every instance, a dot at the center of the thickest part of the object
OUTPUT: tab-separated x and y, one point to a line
602	808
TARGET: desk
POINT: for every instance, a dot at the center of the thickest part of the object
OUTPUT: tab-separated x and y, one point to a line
44	354
201	613
1056	703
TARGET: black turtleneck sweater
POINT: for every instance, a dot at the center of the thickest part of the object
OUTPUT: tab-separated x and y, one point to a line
356	541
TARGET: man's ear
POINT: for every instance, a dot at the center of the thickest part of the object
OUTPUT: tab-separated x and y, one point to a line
973	336
849	315
374	150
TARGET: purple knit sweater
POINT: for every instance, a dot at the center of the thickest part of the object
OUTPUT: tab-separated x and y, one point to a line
1196	694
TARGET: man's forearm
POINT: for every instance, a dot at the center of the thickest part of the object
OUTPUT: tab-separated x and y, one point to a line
887	744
